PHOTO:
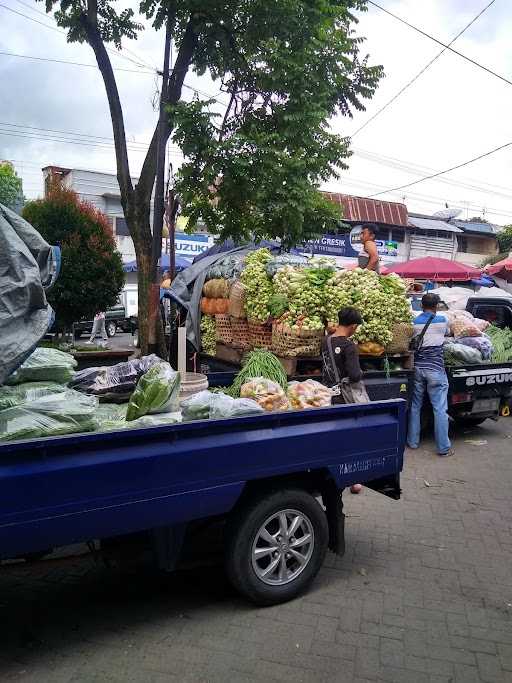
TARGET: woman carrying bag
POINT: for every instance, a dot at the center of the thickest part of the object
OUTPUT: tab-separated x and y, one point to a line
341	369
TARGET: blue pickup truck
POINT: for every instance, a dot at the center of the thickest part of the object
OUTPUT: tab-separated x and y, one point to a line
273	481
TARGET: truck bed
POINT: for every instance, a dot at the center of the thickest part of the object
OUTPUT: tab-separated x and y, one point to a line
63	490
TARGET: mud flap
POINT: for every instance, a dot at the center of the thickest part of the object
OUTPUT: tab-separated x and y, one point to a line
333	502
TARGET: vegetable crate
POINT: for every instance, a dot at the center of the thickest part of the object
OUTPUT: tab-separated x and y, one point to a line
260	335
223	329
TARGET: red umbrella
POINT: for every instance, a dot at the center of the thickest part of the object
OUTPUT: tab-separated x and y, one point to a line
502	269
432	268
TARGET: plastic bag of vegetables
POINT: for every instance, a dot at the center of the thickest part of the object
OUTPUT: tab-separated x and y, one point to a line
459	354
156	392
113	381
216	406
268	394
483	344
309	394
45	365
19	394
65	413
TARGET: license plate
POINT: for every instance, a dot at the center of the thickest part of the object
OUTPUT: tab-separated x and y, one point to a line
486	405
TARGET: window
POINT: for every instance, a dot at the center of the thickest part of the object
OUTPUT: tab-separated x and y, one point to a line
462	243
382	234
497	315
397	235
122	227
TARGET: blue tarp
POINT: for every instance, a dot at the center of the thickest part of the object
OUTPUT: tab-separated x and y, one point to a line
181	264
229	245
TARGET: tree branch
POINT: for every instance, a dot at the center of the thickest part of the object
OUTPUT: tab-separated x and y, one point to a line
90	24
174	88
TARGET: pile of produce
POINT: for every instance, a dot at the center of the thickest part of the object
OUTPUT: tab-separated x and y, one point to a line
502	344
258	285
260	363
208	339
207	405
309	394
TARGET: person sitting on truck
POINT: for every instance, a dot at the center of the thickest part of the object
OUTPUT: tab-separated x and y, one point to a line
369	258
346	357
430	375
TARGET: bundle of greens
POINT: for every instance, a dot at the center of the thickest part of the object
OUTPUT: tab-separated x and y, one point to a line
45	365
67	412
259	363
208	341
502	343
258	285
156	392
11	396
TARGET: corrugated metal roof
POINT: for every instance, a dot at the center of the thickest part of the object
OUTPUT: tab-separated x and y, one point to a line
432	224
370	210
477	228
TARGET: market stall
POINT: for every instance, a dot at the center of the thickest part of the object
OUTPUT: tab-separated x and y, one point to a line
433	268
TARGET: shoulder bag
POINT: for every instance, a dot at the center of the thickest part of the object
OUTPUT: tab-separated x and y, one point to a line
416	342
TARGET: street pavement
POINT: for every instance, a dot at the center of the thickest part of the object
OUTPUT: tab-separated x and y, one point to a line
423	594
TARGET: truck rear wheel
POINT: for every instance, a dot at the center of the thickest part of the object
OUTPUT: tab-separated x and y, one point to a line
276	546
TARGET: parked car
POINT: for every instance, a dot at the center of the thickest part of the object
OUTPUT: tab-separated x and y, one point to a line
115	319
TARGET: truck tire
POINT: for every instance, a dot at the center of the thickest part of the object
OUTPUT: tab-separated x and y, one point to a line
111	328
276	546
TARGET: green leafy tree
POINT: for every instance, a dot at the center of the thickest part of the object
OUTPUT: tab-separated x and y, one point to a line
92	275
285	66
505	239
11	186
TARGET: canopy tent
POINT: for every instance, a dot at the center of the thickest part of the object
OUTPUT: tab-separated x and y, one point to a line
432	268
181	264
502	269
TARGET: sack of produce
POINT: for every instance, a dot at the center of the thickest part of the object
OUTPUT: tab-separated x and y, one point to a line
292	341
67	412
223	329
156	392
115	381
113	418
460	354
309	394
236	306
197	406
45	365
217	288
402	335
268	394
19	394
482	343
370	349
278	262
223	407
214	306
462	327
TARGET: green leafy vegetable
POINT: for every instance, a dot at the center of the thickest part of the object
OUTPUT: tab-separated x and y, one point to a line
156	392
260	363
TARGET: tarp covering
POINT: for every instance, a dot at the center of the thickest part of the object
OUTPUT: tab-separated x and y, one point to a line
28	266
432	268
229	245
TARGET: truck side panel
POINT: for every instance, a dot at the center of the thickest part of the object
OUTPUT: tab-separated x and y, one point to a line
65	490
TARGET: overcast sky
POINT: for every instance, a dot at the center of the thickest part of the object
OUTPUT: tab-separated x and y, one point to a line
452	113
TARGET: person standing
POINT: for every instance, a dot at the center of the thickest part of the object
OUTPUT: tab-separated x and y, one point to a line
369	260
98	327
430	328
340	360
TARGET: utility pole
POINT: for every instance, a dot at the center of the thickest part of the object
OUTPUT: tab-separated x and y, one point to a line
158	207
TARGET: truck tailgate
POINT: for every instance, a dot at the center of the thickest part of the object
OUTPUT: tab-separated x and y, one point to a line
64	490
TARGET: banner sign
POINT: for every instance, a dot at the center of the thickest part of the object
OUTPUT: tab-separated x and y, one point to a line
190	246
349	245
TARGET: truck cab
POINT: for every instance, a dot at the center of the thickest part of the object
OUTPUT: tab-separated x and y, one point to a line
497	310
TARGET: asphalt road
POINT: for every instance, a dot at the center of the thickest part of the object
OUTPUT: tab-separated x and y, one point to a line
422	595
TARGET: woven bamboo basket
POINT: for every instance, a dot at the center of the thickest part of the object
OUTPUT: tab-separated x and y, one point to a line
288	343
260	335
241	337
223	329
237	300
402	335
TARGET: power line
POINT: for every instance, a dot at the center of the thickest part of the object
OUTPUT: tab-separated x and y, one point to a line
440	42
68	132
422	71
81	64
447	170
